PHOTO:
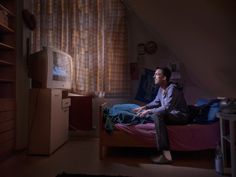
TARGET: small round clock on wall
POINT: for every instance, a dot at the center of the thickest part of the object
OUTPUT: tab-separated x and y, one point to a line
151	47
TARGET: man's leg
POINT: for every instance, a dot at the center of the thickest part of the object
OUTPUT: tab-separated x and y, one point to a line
161	133
162	141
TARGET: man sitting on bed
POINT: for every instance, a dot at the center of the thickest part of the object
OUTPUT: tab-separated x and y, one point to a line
169	107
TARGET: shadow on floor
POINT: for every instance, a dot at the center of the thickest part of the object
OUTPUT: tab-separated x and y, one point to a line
135	156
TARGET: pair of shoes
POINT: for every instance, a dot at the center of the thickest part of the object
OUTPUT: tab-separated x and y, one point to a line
161	160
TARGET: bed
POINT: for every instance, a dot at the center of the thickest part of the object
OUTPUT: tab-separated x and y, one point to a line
191	137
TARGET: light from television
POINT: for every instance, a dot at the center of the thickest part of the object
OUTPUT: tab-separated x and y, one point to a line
61	67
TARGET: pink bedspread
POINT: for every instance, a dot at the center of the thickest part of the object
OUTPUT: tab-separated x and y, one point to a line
190	137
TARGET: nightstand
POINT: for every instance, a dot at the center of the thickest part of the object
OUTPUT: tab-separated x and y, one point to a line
80	117
228	137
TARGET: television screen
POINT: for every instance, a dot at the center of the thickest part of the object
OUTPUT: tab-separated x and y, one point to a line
51	68
61	67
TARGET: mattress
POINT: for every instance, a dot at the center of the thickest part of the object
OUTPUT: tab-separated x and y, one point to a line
191	137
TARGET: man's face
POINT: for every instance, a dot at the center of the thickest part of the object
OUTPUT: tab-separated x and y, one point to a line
159	77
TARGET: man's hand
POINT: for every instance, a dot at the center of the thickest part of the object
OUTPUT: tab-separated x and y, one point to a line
139	109
144	113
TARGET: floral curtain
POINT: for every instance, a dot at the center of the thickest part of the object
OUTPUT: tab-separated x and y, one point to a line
94	33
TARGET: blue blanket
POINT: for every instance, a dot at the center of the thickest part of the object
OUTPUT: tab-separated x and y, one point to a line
123	114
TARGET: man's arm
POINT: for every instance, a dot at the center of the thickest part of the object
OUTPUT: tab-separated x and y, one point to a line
169	102
155	103
150	106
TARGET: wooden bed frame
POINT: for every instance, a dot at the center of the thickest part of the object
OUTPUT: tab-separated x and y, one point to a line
119	138
116	138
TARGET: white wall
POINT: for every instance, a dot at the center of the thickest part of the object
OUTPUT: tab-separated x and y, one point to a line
139	32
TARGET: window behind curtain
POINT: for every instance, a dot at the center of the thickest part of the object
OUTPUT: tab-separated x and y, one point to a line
94	33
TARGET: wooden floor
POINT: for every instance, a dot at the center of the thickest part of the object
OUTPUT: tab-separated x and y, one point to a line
196	159
81	155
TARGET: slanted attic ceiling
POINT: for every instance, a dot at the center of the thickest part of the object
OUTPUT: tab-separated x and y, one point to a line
202	33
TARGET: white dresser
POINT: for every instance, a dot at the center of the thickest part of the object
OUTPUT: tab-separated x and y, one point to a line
48	120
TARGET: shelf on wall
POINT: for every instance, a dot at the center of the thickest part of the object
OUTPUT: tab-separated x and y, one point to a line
6	46
6	63
7	99
7	80
6	9
4	28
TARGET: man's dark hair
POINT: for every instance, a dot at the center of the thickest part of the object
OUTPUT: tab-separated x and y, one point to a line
166	72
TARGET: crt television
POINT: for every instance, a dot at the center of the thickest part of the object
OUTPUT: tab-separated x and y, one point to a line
50	68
